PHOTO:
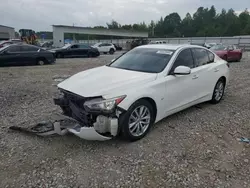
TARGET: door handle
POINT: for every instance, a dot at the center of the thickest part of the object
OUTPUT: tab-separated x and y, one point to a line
195	77
216	70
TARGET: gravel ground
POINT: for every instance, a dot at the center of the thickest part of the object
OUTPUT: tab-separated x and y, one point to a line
193	148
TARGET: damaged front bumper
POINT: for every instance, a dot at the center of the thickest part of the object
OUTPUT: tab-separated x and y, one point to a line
91	126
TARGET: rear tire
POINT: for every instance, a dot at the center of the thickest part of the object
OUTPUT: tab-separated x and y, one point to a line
111	51
40	62
225	57
135	127
218	91
239	58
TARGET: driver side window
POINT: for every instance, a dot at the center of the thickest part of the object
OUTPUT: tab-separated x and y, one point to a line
185	58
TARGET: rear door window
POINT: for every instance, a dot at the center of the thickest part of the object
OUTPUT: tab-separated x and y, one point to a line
200	56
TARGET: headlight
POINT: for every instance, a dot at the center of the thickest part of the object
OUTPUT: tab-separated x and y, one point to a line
106	105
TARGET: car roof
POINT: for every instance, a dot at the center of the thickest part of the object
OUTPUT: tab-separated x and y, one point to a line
24	45
168	46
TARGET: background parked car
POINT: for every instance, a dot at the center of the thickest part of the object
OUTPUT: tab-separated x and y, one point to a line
117	47
75	50
20	54
157	42
9	42
105	48
228	52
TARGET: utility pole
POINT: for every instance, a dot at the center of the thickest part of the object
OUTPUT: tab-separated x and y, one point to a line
153	31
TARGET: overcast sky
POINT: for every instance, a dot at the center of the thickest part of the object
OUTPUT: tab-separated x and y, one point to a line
41	14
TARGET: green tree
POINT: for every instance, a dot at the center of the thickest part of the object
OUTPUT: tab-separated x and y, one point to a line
171	25
113	25
244	19
187	26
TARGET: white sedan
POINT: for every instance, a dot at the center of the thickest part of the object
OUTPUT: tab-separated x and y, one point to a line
141	87
105	48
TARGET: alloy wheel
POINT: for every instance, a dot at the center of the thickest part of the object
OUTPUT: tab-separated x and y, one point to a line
219	91
139	121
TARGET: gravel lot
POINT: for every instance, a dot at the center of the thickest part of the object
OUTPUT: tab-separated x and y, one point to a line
194	148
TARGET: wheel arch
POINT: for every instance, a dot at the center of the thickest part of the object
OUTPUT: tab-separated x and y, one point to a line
151	101
224	79
41	58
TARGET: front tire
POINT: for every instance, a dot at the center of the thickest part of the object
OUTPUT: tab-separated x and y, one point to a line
218	91
59	55
137	121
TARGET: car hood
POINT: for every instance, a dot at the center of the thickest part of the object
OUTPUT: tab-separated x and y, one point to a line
105	80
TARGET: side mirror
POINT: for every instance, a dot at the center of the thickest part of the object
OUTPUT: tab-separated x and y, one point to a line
182	70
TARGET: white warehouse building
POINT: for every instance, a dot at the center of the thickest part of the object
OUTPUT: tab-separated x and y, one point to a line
6	32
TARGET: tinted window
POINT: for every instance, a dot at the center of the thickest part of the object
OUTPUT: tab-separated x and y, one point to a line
211	56
82	46
29	49
75	46
200	56
14	49
184	58
144	60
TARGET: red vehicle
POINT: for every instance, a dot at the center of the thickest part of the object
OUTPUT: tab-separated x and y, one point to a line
228	52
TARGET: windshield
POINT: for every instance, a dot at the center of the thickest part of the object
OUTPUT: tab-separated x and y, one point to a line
218	47
144	60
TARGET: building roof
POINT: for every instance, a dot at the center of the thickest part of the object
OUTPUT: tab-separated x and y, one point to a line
100	29
6	26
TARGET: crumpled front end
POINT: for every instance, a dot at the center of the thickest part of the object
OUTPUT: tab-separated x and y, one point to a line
95	125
